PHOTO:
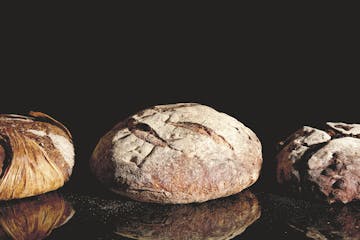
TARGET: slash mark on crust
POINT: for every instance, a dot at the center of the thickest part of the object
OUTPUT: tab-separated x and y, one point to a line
201	129
145	132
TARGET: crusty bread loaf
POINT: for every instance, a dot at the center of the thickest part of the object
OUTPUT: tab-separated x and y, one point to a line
36	155
178	153
325	164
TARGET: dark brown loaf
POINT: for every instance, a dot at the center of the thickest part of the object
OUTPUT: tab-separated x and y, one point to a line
323	163
179	153
36	155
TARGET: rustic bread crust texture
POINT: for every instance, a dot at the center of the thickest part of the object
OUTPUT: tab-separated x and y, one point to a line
36	155
178	153
325	164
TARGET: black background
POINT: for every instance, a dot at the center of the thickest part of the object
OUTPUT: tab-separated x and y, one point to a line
271	74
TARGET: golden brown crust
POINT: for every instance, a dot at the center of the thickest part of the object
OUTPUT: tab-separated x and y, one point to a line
34	218
47	118
2	158
32	162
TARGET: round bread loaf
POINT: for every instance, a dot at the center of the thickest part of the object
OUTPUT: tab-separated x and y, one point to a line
36	155
178	153
325	164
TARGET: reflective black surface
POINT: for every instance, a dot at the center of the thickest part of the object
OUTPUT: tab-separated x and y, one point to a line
252	214
34	218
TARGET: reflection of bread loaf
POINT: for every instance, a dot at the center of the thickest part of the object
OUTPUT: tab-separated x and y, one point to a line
179	153
218	219
340	222
34	218
36	155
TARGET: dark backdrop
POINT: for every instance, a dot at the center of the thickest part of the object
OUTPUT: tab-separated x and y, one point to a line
273	69
272	78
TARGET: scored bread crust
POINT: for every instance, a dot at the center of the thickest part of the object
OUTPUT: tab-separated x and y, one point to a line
324	164
178	153
36	155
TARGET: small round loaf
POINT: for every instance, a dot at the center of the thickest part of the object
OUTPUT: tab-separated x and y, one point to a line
178	153
36	155
325	164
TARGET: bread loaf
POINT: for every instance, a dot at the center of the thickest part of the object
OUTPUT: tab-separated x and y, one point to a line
178	153
325	164
36	155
